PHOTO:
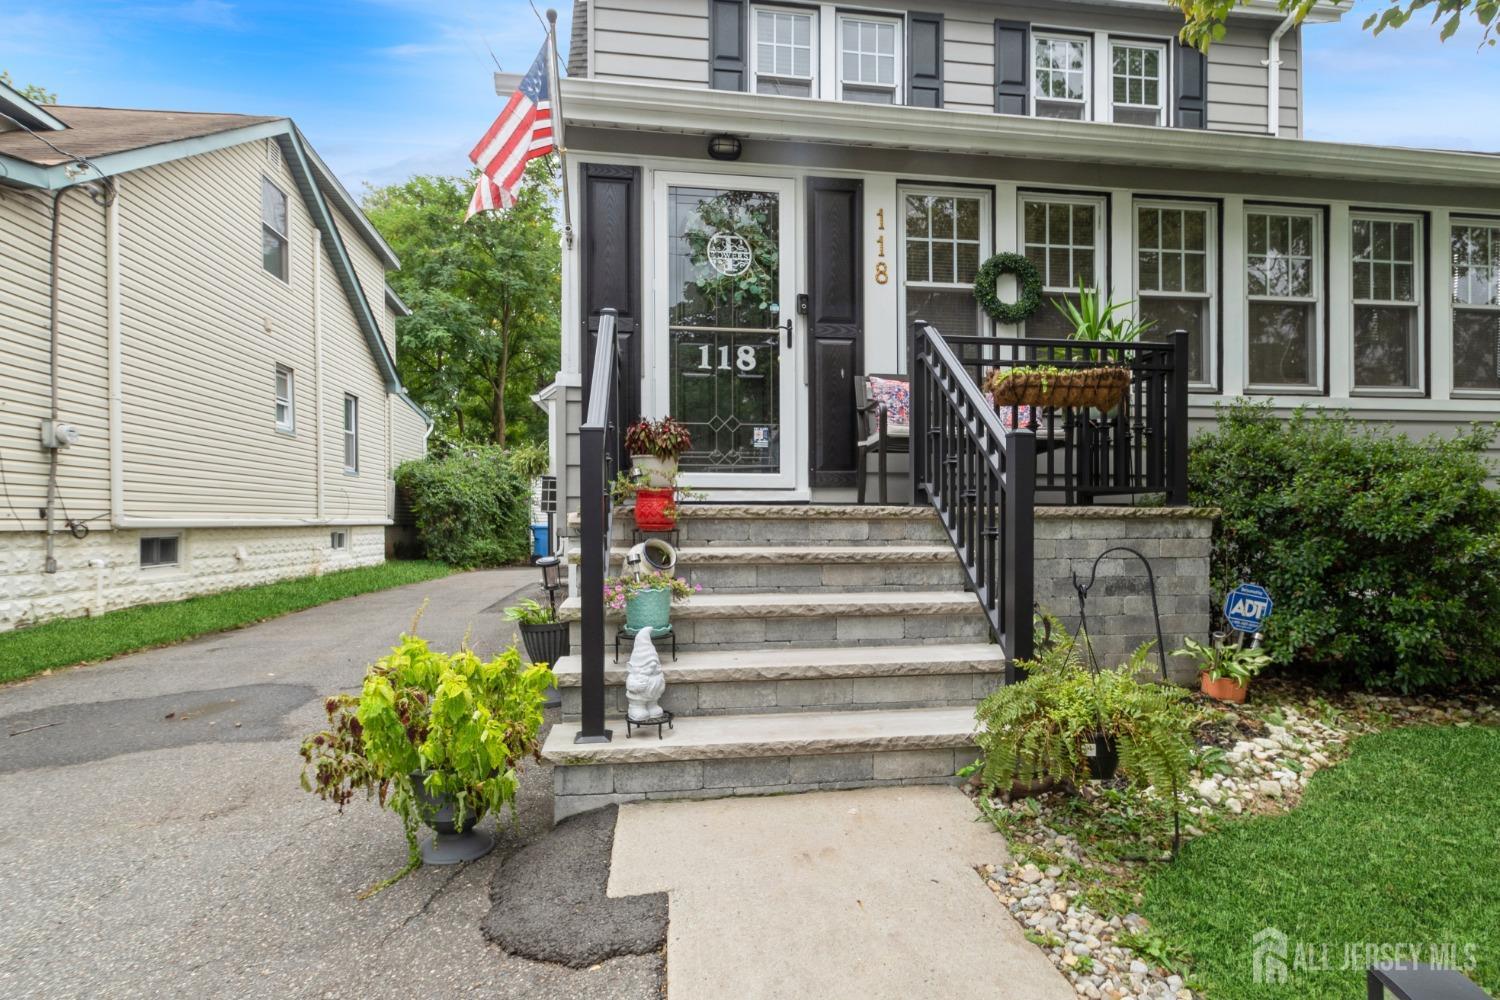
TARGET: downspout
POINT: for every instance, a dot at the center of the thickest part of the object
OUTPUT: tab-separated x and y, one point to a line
115	362
54	323
1273	75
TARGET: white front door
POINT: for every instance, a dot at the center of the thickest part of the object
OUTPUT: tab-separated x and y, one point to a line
725	328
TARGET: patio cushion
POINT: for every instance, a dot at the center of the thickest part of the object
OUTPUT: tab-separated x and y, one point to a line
1011	417
895	396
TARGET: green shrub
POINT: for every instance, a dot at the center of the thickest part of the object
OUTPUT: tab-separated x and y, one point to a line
473	507
1381	553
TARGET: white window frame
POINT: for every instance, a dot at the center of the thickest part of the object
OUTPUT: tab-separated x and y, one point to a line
1163	81
1418	305
338	540
286	239
1460	222
161	567
1101	245
986	241
1038	36
288	424
899	25
351	434
1318	300
1210	270
813	18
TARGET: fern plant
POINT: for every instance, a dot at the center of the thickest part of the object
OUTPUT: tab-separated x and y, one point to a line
1039	729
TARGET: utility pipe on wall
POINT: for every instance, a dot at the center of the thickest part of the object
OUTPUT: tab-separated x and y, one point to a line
1273	75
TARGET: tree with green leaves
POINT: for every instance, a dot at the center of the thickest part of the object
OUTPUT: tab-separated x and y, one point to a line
1205	18
33	93
485	295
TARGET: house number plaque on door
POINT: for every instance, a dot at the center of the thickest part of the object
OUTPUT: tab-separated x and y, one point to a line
882	269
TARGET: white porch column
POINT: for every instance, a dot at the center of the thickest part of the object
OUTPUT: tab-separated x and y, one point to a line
1232	323
1340	303
1440	299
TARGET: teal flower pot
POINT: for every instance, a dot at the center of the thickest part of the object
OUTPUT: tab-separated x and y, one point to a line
651	608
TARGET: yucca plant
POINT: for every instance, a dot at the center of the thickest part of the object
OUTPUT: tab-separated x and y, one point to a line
1101	322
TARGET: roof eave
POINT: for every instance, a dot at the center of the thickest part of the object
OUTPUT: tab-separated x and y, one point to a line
334	188
647	107
28	112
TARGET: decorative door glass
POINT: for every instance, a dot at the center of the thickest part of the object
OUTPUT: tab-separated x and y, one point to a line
723	318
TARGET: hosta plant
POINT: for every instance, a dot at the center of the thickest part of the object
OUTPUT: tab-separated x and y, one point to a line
460	723
1225	661
1037	732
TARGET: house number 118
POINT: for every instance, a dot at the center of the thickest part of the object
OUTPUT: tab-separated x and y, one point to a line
882	270
744	358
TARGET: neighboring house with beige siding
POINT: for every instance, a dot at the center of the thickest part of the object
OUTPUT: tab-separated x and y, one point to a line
220	360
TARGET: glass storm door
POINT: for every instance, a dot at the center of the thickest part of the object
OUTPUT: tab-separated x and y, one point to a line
724	268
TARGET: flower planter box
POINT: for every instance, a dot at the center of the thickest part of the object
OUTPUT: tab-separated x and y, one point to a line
651	608
1102	388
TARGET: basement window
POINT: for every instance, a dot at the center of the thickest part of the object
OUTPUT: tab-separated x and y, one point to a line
159	550
338	540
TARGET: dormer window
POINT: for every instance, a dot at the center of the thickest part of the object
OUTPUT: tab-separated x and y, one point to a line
1138	83
869	59
785	52
1060	76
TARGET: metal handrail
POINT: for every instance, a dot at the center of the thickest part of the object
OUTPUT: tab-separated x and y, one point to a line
599	460
980	477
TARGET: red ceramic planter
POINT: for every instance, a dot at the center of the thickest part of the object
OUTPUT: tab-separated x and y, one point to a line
654	510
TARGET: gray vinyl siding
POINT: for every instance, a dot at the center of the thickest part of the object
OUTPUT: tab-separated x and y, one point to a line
83	469
651	41
666	42
578	41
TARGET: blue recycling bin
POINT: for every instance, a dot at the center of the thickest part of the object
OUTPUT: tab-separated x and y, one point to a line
539	540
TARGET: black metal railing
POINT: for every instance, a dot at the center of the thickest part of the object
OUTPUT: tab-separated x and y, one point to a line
980	478
600	457
1139	447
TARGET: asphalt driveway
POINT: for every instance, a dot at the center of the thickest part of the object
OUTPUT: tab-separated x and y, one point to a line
156	843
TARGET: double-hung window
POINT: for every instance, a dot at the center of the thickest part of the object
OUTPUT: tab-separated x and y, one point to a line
1476	306
869	59
945	236
1175	271
274	242
1063	235
1060	76
1283	282
1387	284
1138	83
286	400
351	435
786	52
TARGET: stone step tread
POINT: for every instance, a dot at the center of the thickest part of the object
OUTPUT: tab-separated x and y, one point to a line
728	666
811	604
796	511
810	552
723	737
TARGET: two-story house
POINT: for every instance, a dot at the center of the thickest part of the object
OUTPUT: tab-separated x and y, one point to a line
879	152
199	389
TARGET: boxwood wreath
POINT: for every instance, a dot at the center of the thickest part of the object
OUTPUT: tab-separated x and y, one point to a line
1028	279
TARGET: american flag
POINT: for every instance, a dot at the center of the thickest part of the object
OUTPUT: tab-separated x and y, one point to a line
521	133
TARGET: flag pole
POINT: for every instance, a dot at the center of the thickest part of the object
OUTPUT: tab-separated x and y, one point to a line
558	140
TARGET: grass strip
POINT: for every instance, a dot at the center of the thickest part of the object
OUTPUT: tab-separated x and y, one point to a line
28	651
1399	845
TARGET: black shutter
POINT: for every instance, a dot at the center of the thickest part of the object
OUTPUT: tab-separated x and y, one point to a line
727	23
924	60
1012	67
834	324
609	229
1192	88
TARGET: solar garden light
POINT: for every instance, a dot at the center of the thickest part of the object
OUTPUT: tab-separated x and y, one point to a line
551	571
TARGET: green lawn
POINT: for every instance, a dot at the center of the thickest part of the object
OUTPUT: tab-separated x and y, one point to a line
28	651
1400	844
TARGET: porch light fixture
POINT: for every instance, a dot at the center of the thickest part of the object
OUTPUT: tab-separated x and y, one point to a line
724	147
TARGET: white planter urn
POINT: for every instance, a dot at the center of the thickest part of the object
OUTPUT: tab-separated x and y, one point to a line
655	473
644	682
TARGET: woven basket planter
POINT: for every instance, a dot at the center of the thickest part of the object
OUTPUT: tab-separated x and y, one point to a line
1103	388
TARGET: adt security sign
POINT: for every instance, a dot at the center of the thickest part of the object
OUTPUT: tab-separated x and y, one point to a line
1247	606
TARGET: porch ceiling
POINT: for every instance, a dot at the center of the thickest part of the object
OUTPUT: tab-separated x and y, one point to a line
644	107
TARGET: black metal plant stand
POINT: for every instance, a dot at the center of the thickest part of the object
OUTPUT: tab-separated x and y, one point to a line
664	719
626	632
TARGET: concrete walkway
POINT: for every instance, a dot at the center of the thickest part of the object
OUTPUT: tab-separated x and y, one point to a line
867	894
153	856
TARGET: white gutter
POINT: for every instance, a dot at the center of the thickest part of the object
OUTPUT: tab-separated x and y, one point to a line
114	345
1273	75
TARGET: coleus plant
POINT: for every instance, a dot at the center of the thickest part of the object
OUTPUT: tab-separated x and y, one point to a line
665	439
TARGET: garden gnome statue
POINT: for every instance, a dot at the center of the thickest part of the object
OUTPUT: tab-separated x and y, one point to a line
644	683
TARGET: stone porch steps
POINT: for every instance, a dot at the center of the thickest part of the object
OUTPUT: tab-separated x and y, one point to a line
802	680
830	568
797	524
708	757
818	618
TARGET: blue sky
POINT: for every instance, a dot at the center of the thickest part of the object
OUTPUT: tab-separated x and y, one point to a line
386	88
